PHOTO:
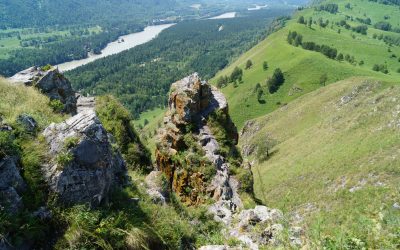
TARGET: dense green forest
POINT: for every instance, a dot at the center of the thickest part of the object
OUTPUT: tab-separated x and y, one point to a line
141	77
41	32
58	49
39	13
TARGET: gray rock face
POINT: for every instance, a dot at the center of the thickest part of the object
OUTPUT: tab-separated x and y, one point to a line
85	103
214	247
27	122
11	185
155	189
52	83
84	167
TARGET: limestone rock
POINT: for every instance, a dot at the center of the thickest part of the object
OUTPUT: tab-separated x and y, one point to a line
51	83
85	103
84	167
190	103
28	122
11	185
214	247
155	188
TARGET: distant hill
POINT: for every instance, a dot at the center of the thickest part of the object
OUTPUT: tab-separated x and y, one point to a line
303	68
30	13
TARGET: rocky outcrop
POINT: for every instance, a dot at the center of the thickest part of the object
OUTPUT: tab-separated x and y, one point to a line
190	103
195	110
51	83
11	185
84	166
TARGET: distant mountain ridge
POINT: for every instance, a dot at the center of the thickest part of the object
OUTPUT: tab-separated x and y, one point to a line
28	13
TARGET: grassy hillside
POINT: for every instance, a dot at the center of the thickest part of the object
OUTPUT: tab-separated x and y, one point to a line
303	68
335	167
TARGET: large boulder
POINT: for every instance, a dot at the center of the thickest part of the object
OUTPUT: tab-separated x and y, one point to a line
50	82
11	185
84	167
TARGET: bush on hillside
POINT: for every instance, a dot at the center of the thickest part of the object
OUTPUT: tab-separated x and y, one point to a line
249	64
383	26
265	65
118	121
237	75
275	81
8	146
331	8
222	81
380	68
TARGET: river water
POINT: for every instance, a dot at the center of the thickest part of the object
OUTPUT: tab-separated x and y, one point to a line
225	16
258	7
130	41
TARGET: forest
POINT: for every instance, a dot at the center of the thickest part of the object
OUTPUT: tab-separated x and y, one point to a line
141	77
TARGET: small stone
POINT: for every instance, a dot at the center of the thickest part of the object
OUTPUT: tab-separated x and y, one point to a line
271	234
43	213
27	122
214	247
135	200
396	206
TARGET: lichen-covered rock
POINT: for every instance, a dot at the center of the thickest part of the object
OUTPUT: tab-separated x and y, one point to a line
11	185
84	166
51	83
191	102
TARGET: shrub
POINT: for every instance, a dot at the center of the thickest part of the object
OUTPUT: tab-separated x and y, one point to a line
64	158
47	67
265	147
249	64
275	81
222	81
236	75
301	20
8	146
383	26
265	65
245	178
117	120
56	105
380	68
71	142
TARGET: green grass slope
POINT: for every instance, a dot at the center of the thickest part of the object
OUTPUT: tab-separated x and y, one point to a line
336	165
303	68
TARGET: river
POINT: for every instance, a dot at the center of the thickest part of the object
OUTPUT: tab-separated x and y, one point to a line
225	16
130	41
258	7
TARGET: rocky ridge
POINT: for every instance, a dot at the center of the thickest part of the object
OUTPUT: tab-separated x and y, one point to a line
50	82
83	167
191	103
